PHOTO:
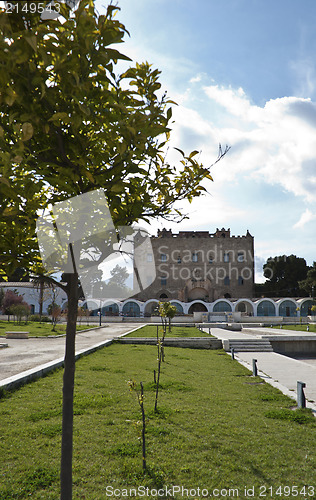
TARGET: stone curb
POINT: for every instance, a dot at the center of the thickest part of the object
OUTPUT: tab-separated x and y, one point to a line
190	342
40	371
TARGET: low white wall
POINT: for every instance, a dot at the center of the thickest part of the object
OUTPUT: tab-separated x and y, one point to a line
262	319
176	319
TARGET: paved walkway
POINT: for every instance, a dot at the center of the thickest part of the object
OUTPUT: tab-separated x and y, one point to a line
280	371
26	355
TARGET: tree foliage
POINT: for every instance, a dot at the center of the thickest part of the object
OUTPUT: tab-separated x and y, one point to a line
11	299
70	125
284	274
309	284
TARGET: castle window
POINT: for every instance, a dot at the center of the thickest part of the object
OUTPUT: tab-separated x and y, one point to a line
240	281
194	257
163	257
240	257
226	257
163	281
179	260
210	260
226	281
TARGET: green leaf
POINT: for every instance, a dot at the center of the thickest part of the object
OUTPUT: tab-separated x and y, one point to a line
193	153
32	41
180	151
27	131
61	116
84	108
4	181
117	187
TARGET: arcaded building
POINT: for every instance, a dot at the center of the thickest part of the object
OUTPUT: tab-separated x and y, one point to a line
198	265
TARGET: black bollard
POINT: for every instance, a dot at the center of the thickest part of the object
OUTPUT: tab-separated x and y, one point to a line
254	368
301	400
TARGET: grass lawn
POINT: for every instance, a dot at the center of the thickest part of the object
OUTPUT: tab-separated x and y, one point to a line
35	328
300	328
217	427
176	331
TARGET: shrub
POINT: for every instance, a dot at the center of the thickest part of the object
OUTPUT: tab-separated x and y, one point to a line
39	319
19	311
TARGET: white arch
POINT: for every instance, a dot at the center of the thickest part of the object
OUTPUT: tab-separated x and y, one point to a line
197	301
108	302
252	304
138	302
176	301
221	300
91	304
265	299
150	301
301	302
286	299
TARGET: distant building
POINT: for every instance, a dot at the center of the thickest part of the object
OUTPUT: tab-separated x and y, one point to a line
35	295
198	265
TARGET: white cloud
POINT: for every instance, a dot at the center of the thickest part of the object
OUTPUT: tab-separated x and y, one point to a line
195	79
305	72
306	217
275	143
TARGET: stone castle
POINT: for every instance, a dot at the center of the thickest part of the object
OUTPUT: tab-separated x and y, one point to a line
198	265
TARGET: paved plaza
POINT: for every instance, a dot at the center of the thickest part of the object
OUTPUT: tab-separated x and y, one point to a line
278	370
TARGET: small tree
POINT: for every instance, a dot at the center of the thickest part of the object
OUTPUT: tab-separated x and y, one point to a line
81	314
166	312
11	298
1	297
20	310
56	315
54	309
140	396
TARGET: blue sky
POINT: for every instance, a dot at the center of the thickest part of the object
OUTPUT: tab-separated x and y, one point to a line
244	74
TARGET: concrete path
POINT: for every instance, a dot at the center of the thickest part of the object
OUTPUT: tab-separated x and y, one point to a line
280	371
25	356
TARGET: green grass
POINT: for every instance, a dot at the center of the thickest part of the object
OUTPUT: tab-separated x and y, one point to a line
217	427
300	328
35	328
176	331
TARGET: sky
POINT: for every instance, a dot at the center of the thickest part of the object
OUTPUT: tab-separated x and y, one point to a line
243	73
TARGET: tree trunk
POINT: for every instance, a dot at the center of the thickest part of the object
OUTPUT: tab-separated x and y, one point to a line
68	390
143	427
41	299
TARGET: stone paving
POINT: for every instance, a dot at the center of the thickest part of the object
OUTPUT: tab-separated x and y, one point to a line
278	370
25	354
